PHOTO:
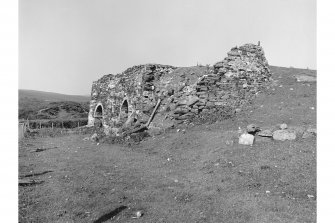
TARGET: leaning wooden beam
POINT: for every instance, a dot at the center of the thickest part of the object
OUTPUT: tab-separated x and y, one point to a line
153	113
143	127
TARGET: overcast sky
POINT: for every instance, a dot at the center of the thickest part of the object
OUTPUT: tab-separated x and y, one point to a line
64	45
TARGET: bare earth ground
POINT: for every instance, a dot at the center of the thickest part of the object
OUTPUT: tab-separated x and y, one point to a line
196	175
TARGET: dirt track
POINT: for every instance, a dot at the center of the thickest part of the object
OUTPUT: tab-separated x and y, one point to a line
198	175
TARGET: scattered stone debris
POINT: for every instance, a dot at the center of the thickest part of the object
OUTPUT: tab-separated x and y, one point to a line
260	135
265	133
283	126
283	135
246	139
252	129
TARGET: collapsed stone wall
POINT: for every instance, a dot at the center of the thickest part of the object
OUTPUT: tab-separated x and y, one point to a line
128	99
231	83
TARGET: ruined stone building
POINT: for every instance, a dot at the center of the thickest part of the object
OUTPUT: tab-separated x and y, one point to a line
129	98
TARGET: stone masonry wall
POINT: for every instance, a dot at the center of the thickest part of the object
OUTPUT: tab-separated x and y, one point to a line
133	88
231	83
184	92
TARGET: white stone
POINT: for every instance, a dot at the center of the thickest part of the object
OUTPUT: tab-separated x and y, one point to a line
283	135
283	126
246	139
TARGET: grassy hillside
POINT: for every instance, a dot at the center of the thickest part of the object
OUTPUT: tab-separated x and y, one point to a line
192	173
49	96
47	105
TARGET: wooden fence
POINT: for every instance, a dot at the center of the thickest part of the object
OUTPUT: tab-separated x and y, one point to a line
56	123
49	123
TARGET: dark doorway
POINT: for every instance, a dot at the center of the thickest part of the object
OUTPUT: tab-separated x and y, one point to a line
124	111
98	112
98	115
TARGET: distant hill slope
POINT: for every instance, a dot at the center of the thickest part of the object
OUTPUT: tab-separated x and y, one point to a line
49	96
48	105
293	71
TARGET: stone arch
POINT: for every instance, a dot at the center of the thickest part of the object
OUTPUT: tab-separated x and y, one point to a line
124	111
99	111
98	115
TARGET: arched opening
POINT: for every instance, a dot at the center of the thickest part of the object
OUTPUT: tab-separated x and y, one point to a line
124	111
98	112
98	116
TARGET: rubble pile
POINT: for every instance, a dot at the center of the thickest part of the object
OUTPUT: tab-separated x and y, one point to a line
232	83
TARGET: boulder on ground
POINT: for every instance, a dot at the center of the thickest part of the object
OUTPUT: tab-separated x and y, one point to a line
283	135
283	126
265	133
299	130
252	128
246	139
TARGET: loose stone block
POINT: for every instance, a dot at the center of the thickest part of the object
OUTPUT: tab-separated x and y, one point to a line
246	139
283	135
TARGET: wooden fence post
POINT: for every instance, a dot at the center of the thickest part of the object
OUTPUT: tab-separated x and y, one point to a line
40	124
